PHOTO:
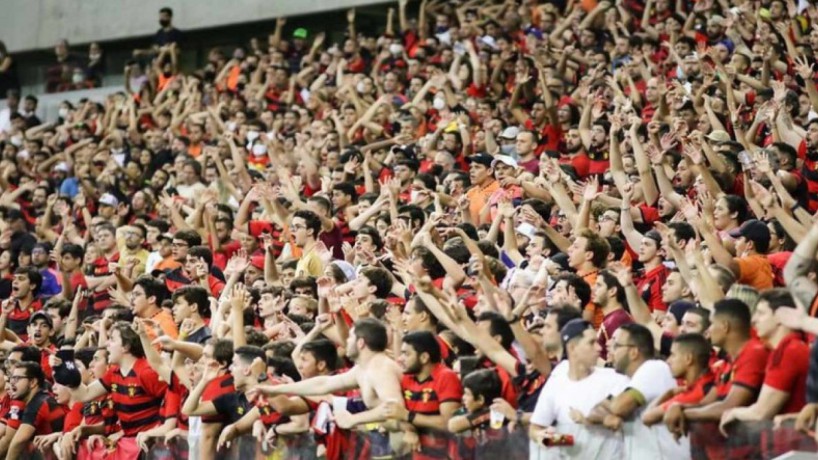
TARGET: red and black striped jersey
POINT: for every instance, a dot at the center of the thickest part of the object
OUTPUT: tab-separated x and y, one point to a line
44	414
19	317
220	386
174	398
137	396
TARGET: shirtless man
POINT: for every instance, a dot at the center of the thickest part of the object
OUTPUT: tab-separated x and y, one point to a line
377	376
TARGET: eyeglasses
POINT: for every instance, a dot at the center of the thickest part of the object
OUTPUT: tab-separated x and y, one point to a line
299	226
15	378
177	244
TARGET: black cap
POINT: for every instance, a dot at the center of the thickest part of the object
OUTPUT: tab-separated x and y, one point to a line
755	231
44	316
574	328
67	373
481	158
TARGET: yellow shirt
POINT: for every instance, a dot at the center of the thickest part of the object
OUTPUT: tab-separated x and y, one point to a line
309	265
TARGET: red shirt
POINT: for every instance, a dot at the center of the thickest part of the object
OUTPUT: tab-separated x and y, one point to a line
44	414
693	394
73	418
787	369
137	396
610	323
650	287
220	386
746	369
18	318
442	385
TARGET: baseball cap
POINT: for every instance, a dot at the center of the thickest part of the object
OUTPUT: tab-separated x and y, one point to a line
481	158
44	316
718	136
300	33
526	229
505	159
67	373
510	133
108	200
165	236
489	41
716	20
61	166
257	261
574	328
347	268
679	308
755	231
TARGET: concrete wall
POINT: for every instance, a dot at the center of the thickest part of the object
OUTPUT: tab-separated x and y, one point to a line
28	25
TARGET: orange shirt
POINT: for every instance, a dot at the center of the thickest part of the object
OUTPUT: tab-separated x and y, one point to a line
478	197
598	317
165	321
756	271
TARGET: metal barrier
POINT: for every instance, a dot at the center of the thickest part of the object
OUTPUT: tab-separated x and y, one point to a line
745	441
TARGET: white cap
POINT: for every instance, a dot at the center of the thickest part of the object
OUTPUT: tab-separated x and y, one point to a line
61	166
510	133
526	229
504	159
108	199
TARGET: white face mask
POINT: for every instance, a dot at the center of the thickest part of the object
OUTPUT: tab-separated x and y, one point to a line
252	135
259	150
360	87
231	126
78	78
17	140
94	56
63	112
439	104
414	195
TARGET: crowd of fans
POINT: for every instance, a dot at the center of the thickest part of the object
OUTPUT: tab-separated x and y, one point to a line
587	223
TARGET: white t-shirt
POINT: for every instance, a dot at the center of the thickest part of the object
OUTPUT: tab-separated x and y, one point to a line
561	394
652	380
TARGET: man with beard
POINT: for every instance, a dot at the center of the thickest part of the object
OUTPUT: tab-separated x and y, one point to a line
594	137
42	414
610	296
432	393
575	153
631	353
574	390
650	255
416	317
129	241
40	258
102	266
18	309
377	376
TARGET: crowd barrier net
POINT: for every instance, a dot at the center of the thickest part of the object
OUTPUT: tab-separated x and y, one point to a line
756	440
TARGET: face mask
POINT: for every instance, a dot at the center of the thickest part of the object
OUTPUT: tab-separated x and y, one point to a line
509	150
164	22
396	49
259	150
78	78
63	112
94	56
439	104
414	195
17	140
231	125
360	87
252	135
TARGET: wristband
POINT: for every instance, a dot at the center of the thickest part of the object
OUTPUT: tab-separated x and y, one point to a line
519	415
410	417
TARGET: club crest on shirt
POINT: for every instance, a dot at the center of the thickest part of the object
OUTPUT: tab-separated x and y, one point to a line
14	413
131	391
240	410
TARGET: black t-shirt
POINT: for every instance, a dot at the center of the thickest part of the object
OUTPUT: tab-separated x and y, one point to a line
166	37
232	406
200	336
